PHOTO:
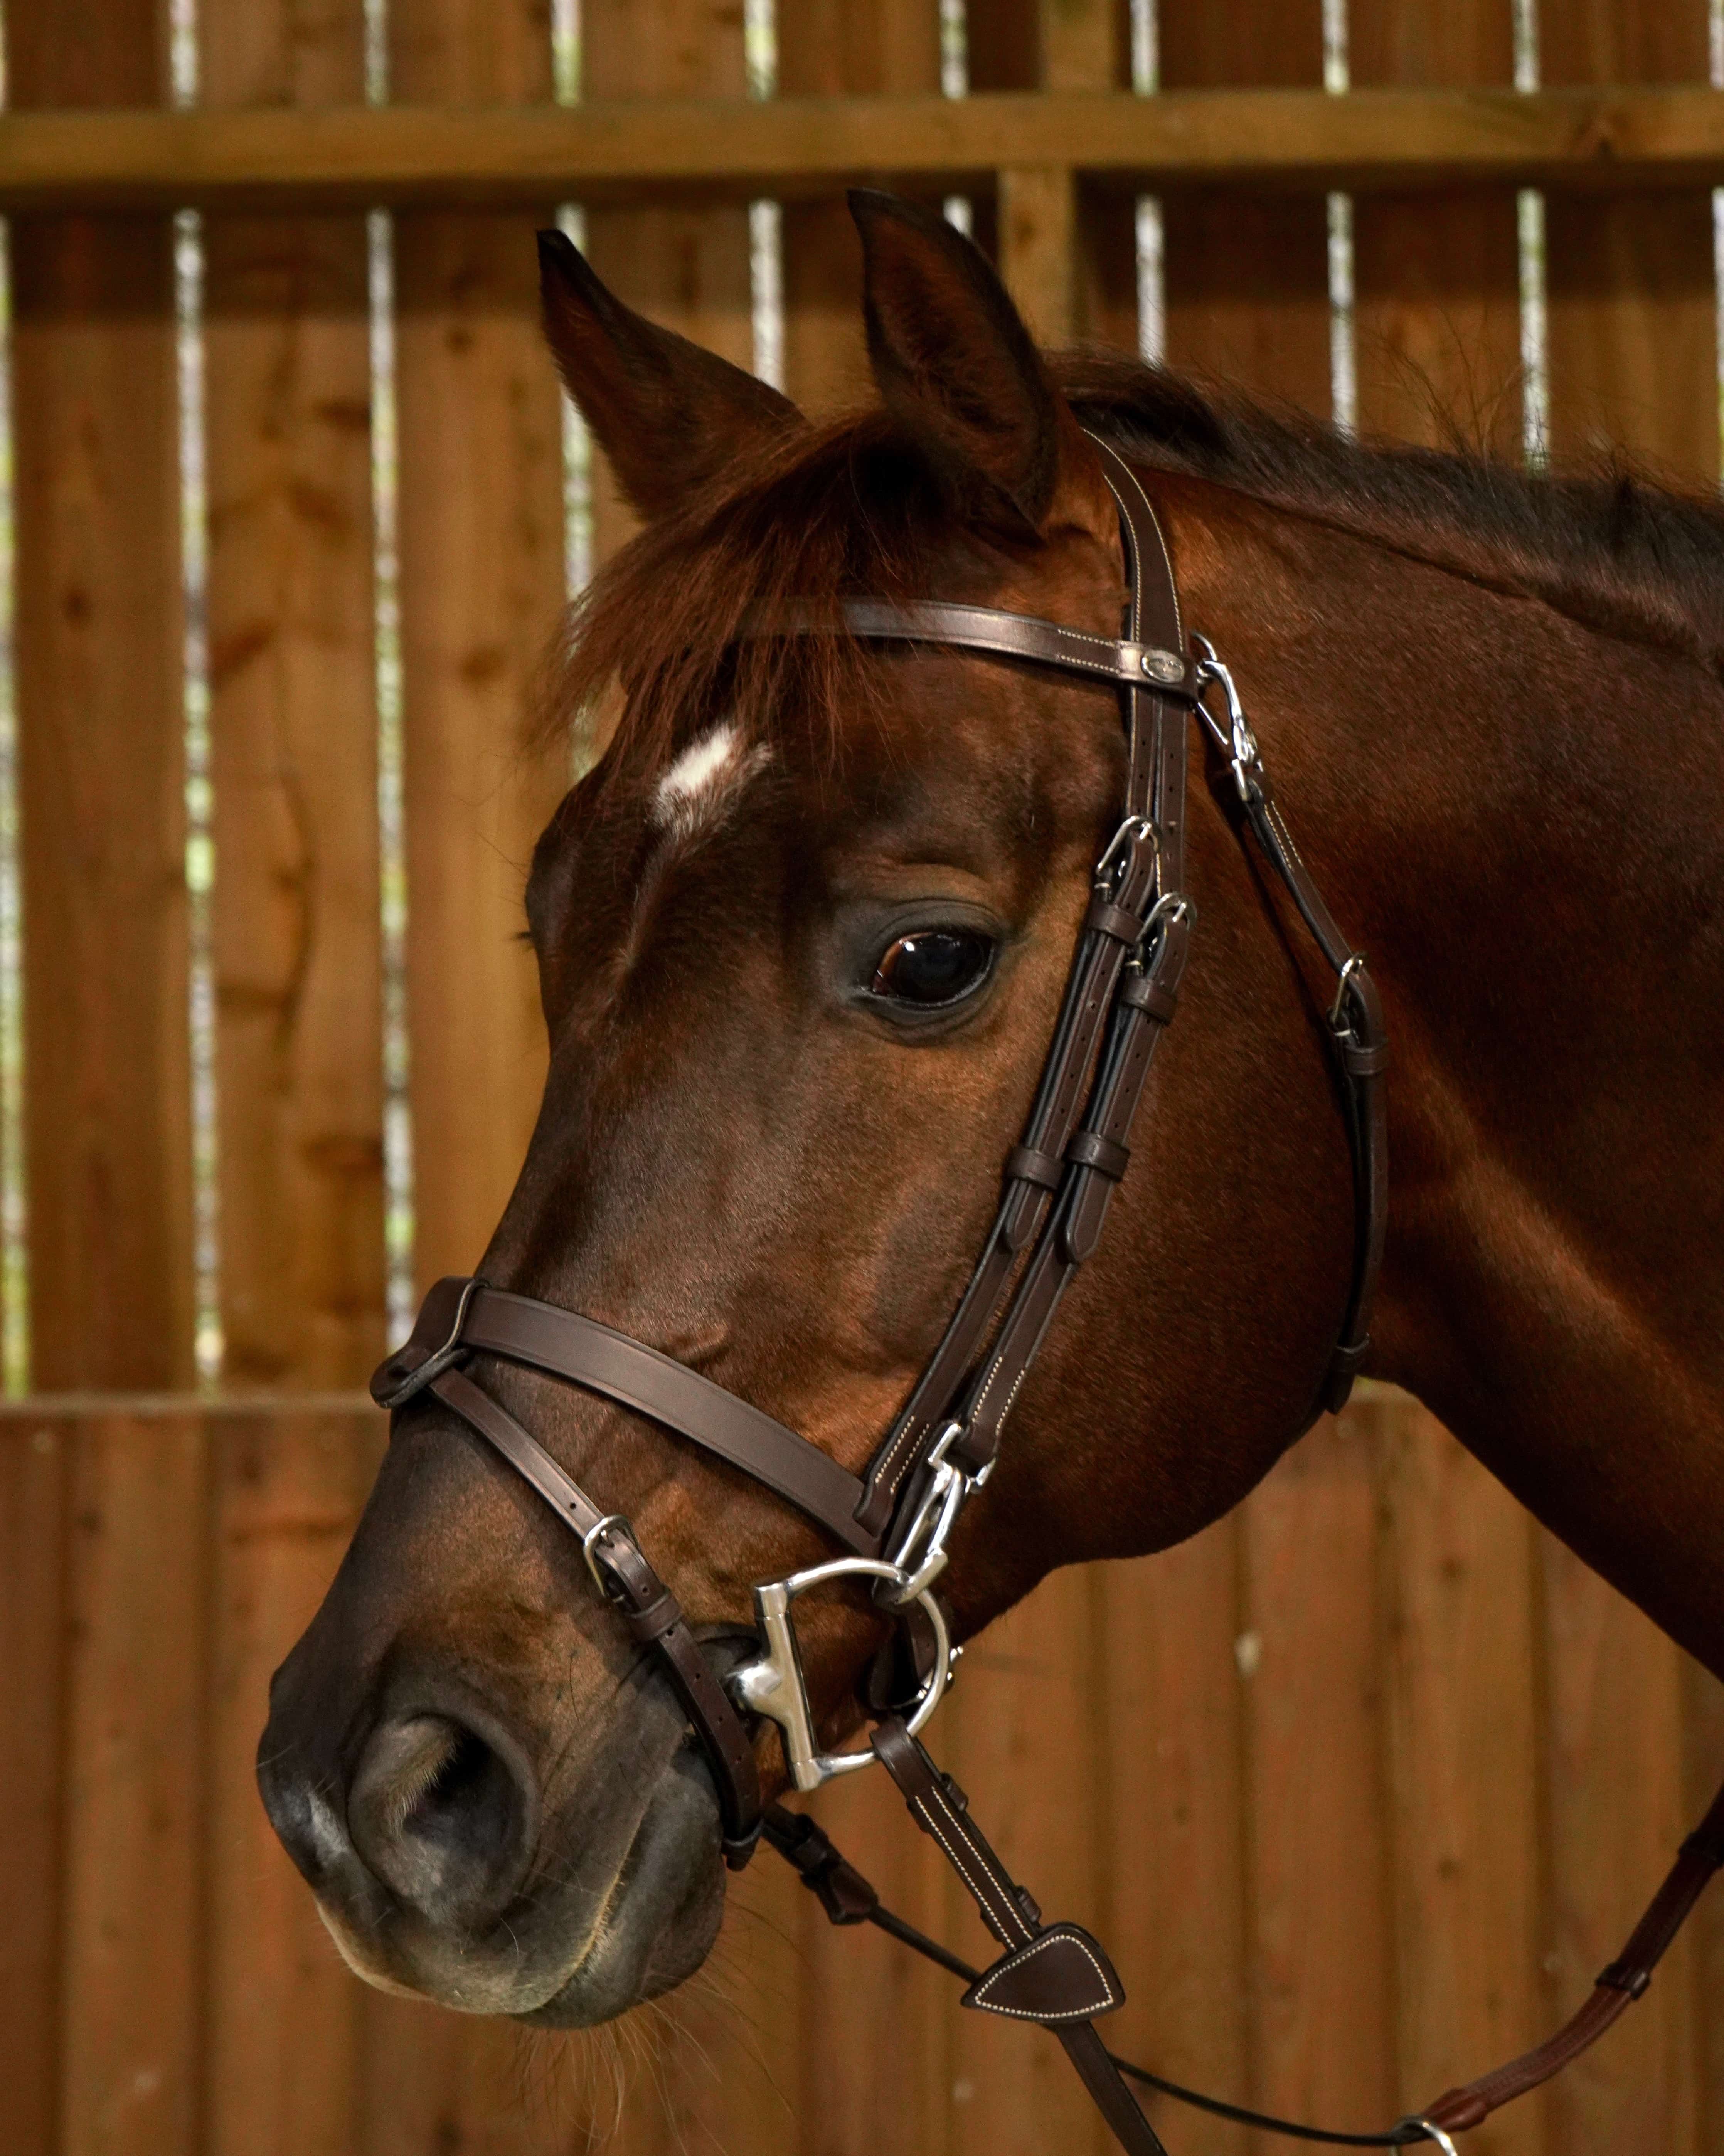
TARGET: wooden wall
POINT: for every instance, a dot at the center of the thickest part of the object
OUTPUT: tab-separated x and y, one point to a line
1362	1786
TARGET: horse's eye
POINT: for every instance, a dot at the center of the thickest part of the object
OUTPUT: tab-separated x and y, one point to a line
933	966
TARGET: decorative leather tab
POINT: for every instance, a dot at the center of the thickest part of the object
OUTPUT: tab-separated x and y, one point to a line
1061	1975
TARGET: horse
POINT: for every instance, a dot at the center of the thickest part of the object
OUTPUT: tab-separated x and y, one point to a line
803	936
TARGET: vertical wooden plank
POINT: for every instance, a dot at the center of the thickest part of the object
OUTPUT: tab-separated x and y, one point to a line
685	267
1323	1966
1169	1803
481	584
1618	1802
294	731
1024	1735
1633	342
1436	274
866	1999
101	765
1462	1765
829	49
285	2017
33	1459
131	2048
1247	277
1038	248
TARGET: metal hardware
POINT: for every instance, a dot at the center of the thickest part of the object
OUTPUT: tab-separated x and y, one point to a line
1172	905
591	1537
1355	964
1244	753
919	1554
1164	666
774	1685
1431	2134
1134	828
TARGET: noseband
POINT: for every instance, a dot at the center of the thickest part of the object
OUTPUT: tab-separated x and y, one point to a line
893	1523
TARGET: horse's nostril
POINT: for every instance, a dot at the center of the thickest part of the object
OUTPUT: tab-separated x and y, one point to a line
443	1816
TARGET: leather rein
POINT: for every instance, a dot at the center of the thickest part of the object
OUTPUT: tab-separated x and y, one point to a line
894	1522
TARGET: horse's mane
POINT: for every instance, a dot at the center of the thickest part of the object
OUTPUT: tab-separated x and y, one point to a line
1613	548
850	507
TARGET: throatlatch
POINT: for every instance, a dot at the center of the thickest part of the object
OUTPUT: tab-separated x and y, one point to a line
893	1524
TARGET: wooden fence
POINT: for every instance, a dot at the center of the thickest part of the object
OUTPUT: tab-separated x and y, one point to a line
1362	1786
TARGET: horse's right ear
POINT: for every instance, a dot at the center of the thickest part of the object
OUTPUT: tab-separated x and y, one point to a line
668	414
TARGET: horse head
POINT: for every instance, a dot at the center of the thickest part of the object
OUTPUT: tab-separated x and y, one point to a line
803	935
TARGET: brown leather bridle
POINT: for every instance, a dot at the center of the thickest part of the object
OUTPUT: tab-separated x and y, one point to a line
893	1523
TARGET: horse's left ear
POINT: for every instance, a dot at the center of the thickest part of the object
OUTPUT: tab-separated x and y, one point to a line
669	414
957	367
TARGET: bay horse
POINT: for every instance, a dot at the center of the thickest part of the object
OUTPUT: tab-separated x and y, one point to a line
803	938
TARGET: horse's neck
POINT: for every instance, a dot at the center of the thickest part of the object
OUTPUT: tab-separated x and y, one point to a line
1523	822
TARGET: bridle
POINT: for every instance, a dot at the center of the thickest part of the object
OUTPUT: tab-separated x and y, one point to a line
894	1522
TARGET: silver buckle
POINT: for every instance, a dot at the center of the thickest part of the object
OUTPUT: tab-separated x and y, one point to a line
593	1534
1335	1021
1117	849
919	1555
1246	759
774	1685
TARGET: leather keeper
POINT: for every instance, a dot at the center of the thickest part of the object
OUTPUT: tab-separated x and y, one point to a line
1362	1061
1024	1164
1155	999
1061	1975
1089	1149
1618	1976
656	1619
1113	921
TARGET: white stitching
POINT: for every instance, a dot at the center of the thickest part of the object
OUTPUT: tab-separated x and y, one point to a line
1110	1997
1015	1917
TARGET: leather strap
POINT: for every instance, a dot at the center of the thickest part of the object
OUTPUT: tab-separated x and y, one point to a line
1144	862
462	1317
849	1898
1075	1980
1028	637
1361	1043
1616	1990
654	1616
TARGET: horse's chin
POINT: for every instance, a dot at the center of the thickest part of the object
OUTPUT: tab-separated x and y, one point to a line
584	1954
662	1913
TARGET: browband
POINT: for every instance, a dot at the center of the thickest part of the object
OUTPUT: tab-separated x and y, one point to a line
1028	636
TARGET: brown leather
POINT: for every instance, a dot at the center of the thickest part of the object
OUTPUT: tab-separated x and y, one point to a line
654	1614
1066	1988
1362	1054
460	1317
1061	1975
1121	660
1149	865
1617	1986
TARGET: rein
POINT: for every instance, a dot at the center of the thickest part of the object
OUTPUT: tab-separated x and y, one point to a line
894	1522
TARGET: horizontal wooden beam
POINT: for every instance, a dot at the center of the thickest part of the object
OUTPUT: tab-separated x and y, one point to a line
792	147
